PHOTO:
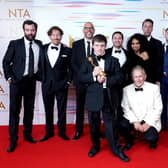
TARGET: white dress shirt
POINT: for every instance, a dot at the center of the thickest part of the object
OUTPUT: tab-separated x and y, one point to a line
120	56
53	54
36	51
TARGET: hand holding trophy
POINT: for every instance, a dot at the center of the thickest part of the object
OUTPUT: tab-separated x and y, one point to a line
101	75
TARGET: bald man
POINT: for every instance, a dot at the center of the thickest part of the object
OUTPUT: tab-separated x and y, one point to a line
81	49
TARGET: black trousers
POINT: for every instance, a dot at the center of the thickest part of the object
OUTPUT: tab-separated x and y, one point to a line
108	118
80	102
49	99
151	135
25	89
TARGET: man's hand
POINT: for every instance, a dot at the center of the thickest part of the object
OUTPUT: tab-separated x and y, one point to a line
101	79
96	71
145	127
138	126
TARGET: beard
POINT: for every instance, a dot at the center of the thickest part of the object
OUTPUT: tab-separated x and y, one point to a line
30	37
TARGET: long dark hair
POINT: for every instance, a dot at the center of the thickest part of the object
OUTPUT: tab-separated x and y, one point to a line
142	41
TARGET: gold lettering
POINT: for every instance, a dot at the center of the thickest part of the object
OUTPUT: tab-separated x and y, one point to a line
165	14
2	106
1	89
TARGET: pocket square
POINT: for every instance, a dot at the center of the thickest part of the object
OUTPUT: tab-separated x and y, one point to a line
64	56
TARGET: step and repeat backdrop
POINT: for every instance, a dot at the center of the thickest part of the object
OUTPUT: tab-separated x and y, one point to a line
107	16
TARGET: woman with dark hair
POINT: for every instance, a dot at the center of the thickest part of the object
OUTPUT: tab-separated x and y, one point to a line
137	47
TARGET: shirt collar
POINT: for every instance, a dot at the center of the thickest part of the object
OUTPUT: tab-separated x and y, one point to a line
27	41
149	38
87	40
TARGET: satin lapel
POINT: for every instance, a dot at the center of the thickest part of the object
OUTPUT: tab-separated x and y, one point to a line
59	56
46	54
107	64
83	48
23	49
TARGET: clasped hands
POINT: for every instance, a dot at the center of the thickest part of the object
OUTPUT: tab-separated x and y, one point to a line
96	73
141	127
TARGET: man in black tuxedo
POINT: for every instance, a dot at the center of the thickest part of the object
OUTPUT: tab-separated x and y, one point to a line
56	77
80	50
119	52
20	66
101	73
155	51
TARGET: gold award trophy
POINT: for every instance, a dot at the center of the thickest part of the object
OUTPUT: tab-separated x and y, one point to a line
102	73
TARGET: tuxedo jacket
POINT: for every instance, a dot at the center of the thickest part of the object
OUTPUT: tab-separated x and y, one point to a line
94	94
78	57
57	77
143	105
15	57
156	53
109	52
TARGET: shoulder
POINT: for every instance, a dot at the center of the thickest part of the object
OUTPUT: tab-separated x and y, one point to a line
38	42
156	41
128	87
66	48
46	45
109	50
151	86
78	42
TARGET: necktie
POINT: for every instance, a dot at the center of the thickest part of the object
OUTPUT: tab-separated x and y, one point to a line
31	61
117	51
56	48
100	57
88	48
138	89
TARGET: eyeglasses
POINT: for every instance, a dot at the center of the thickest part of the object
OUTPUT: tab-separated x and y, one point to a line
88	28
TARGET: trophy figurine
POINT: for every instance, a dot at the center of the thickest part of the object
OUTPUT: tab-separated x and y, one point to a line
102	73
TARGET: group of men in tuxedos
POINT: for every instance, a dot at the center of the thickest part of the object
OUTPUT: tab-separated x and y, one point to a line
99	76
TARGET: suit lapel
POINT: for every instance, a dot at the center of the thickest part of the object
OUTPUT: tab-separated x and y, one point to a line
83	48
60	53
107	64
23	48
46	53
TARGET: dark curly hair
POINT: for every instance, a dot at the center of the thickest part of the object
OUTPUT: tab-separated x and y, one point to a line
142	41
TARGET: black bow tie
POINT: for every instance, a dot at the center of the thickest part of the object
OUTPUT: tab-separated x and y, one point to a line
138	89
100	57
117	51
52	47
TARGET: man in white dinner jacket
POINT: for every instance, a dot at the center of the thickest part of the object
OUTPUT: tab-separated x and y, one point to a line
142	107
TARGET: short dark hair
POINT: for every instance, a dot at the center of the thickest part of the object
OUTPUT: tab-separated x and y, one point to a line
147	20
30	22
99	38
118	32
55	28
166	29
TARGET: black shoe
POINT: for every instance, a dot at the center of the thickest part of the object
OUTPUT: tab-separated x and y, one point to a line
64	137
77	136
152	145
127	146
93	151
122	156
30	139
102	135
12	147
164	128
46	137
